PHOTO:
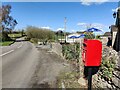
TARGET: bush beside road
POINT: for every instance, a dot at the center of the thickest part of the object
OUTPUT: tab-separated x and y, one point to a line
35	34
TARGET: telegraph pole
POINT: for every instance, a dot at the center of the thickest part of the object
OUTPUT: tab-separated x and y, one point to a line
65	20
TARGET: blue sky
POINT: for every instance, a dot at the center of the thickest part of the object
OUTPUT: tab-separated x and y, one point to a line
51	15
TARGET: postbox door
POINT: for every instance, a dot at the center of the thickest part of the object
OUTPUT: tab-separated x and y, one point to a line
94	53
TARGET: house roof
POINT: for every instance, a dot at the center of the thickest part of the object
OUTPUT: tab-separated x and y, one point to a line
80	32
107	34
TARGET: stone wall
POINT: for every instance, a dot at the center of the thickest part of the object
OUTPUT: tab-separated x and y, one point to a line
104	40
57	48
98	80
114	82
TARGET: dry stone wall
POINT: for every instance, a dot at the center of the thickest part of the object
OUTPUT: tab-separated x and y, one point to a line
114	82
57	48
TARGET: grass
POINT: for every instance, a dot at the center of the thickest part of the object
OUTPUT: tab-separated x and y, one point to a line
70	80
6	43
14	35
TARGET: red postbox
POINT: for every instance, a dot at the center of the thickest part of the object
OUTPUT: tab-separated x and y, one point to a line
92	52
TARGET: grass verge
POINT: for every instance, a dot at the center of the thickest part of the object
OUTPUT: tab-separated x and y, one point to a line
70	80
6	43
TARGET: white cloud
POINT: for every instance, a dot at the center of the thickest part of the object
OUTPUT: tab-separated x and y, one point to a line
98	25
95	25
82	30
46	27
81	24
89	2
86	3
62	29
73	30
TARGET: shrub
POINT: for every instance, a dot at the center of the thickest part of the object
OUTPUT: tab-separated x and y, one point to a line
39	33
107	66
71	52
89	35
33	40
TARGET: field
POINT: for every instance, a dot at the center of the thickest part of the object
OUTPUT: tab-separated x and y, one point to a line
14	35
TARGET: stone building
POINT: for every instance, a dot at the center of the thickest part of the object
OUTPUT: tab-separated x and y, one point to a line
115	30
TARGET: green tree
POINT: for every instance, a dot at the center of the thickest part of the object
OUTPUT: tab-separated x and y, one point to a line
8	22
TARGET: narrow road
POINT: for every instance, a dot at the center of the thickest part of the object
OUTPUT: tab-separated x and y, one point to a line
19	62
26	66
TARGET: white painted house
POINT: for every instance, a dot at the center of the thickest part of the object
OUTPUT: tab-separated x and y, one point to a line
71	40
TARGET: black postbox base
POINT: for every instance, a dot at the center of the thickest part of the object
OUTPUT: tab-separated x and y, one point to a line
88	72
94	70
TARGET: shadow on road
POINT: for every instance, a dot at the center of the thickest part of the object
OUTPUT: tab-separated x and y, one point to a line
20	40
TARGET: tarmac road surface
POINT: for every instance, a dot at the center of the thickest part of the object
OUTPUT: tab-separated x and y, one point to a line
18	64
